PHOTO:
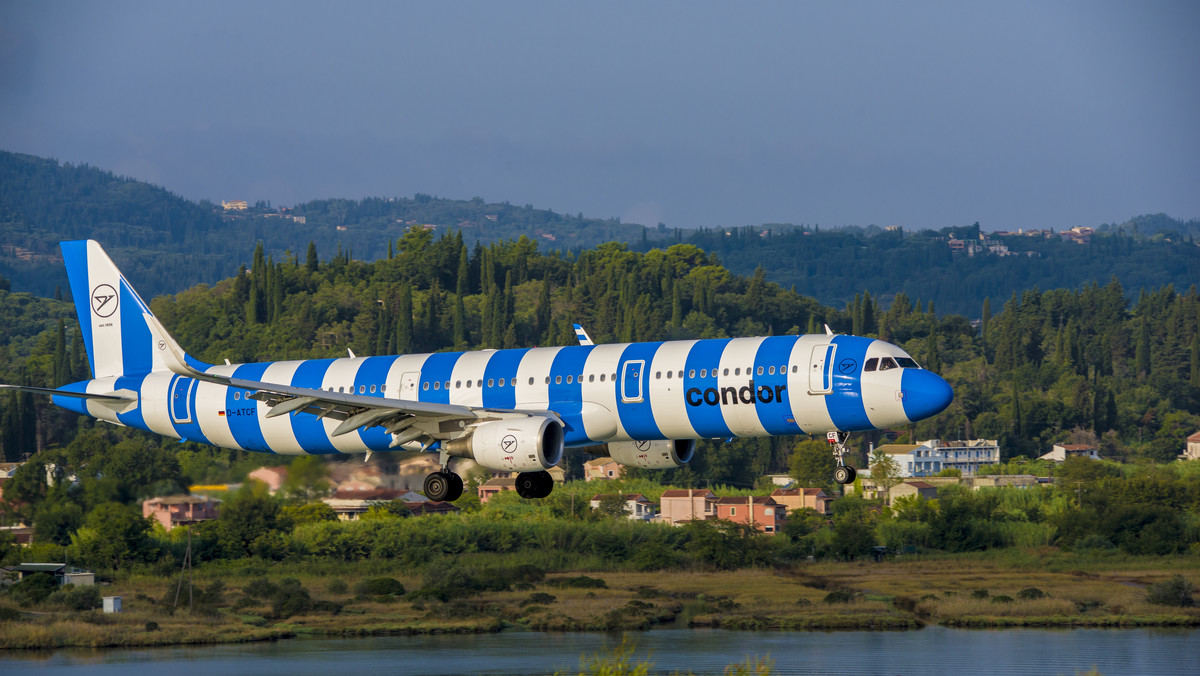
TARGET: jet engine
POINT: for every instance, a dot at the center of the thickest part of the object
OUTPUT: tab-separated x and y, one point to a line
661	454
530	444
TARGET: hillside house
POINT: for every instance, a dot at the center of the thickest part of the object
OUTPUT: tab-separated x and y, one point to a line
273	477
795	499
928	458
180	510
1192	450
920	489
637	506
601	468
351	505
493	486
678	506
759	512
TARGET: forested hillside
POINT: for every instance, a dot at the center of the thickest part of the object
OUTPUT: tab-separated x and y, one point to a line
833	265
175	243
1054	366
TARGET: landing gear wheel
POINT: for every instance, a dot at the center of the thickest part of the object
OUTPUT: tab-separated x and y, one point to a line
441	486
534	484
844	474
456	488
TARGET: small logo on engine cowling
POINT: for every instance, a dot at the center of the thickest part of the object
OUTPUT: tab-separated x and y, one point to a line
642	445
104	300
508	444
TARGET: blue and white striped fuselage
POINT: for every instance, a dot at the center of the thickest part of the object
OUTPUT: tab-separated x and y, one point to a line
695	389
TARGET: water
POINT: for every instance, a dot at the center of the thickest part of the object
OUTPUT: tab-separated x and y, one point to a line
930	651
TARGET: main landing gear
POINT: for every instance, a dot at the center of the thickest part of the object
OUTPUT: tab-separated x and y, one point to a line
443	486
844	474
534	484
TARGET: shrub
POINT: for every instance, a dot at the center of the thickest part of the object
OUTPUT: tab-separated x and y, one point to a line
76	598
580	582
1031	594
979	594
839	596
1001	598
33	589
1176	592
336	586
803	601
8	613
260	588
905	603
539	597
152	626
380	586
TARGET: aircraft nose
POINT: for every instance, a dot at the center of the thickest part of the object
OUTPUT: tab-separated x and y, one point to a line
926	394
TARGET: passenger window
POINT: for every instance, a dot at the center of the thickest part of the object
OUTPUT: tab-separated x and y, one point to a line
726	371
491	382
692	373
760	370
602	377
591	377
557	380
703	373
457	384
425	387
501	382
771	371
237	395
531	380
737	372
372	389
569	379
887	363
468	384
362	389
658	375
871	364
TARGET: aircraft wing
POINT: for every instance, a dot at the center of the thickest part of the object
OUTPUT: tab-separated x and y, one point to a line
410	421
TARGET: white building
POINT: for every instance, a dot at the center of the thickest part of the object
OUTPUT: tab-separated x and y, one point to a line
1192	452
928	458
1060	452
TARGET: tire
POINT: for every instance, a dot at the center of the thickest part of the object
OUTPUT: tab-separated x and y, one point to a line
843	475
437	486
455	488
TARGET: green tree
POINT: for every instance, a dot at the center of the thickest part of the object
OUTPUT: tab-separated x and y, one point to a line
885	472
113	536
812	463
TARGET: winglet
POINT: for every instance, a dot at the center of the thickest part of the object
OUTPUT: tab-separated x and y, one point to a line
584	338
172	356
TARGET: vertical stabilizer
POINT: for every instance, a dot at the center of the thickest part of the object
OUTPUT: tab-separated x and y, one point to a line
111	314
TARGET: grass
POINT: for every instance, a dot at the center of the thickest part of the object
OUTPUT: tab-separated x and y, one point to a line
947	590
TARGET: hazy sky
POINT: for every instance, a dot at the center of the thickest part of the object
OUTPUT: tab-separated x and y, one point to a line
1013	114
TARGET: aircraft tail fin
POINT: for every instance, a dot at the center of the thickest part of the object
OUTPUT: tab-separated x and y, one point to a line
118	339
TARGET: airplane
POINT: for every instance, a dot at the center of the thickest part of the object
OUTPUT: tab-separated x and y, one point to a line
509	410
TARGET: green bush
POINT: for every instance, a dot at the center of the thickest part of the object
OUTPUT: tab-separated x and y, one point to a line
380	586
979	594
76	598
1176	592
336	586
1031	594
8	613
33	589
1001	598
839	596
579	582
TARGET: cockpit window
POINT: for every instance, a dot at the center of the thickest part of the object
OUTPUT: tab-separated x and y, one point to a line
871	364
907	363
887	363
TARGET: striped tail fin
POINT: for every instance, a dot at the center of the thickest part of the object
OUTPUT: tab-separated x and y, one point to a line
111	314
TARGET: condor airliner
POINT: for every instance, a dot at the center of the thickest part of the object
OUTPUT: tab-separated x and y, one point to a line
510	410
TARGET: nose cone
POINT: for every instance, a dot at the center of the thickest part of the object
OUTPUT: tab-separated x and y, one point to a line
926	394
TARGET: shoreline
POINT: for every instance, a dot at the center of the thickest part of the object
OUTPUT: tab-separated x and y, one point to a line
890	596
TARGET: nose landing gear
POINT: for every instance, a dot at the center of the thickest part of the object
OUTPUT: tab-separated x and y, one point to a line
844	474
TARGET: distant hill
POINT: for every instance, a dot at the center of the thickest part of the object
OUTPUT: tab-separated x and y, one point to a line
174	243
171	243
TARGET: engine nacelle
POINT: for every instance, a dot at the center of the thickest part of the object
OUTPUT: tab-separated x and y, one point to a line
529	444
662	454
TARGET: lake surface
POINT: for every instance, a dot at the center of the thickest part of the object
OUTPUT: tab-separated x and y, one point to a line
933	650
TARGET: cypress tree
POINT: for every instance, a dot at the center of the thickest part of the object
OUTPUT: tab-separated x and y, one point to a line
985	319
312	263
403	342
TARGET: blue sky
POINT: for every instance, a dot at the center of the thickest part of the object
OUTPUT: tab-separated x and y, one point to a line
929	114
